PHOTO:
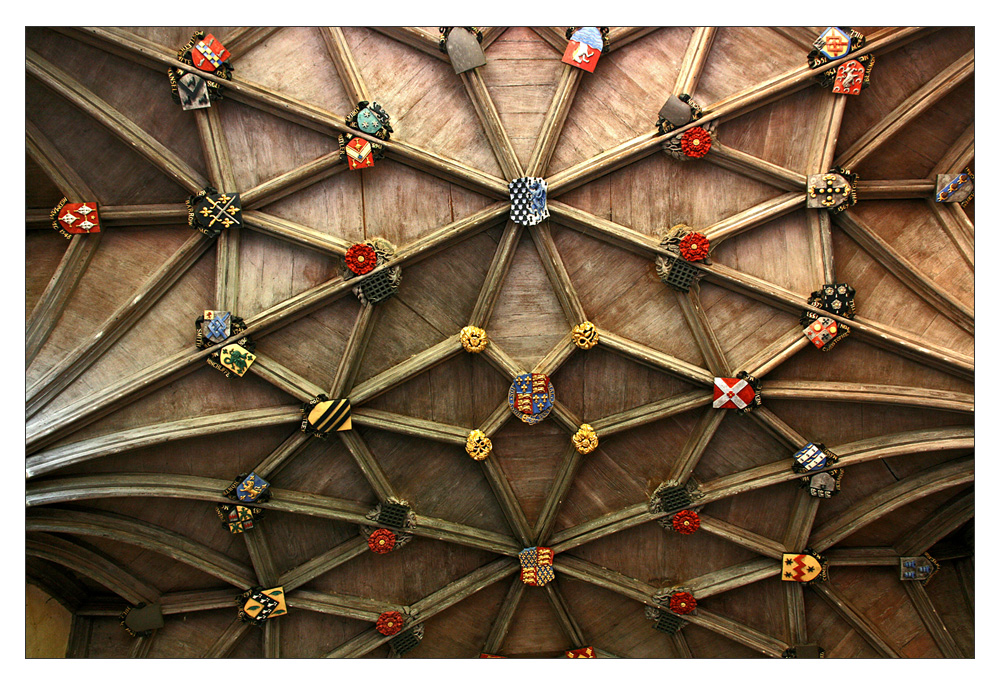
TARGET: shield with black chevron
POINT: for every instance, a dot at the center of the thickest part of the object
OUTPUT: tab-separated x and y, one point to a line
331	415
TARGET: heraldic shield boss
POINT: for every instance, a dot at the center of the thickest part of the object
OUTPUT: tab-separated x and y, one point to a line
330	415
79	217
584	48
464	50
531	397
732	394
216	326
833	43
802	567
528	200
261	604
209	53
193	92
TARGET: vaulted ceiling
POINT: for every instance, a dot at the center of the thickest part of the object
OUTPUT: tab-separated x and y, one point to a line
131	437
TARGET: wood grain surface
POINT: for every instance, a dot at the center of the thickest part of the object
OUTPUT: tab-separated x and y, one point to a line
132	437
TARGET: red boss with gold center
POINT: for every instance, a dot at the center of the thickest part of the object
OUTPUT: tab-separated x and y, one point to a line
686	522
389	623
382	541
696	142
693	247
361	258
682	603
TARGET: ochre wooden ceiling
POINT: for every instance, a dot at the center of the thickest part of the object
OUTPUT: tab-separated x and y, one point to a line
131	437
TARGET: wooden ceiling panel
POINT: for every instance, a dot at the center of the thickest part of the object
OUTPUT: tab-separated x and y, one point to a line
661	558
897	75
116	173
755	253
535	631
877	594
313	346
826	628
744	56
405	575
744	327
765	511
521	77
461	630
527	321
112	277
107	640
784	132
614	623
703	643
448	309
427	473
619	101
893	303
332	206
141	94
424	97
325	468
914	232
263	146
307	634
474	390
627	299
312	79
614	285
47	251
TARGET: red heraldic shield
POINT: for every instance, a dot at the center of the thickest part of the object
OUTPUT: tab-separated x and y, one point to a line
209	53
822	331
732	394
80	217
581	55
850	76
359	153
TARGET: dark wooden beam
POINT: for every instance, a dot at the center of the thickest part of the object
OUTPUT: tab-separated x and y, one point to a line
57	80
343	60
93	565
885	500
505	616
131	531
858	621
908	110
933	621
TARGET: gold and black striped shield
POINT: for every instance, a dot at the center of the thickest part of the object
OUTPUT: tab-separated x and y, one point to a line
331	415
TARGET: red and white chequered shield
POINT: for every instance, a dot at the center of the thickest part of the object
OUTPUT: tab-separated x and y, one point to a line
732	394
821	331
79	217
